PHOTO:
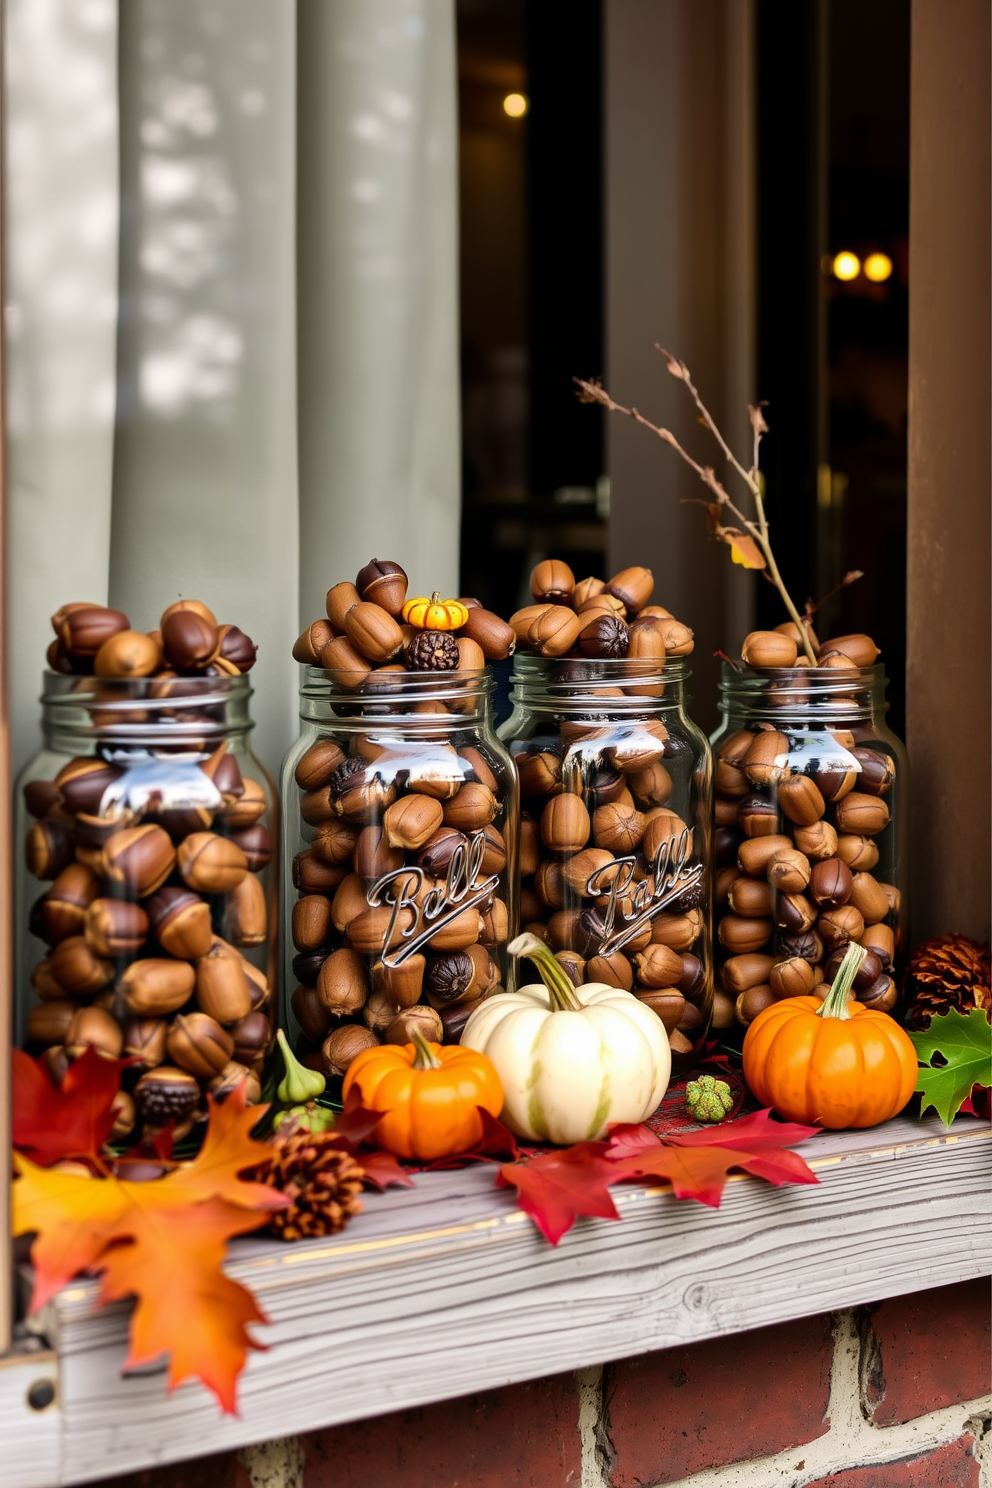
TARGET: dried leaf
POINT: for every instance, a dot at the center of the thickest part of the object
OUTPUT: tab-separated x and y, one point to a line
555	1188
163	1243
381	1169
73	1119
745	551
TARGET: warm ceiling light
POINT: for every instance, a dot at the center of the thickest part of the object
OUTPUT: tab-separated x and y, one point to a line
846	265
878	267
516	105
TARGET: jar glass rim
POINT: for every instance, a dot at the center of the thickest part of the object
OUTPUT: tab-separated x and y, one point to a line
141	710
837	692
396	694
571	683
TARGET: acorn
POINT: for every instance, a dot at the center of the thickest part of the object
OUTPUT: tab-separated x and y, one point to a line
144	1040
565	824
634	586
210	864
308	646
857	650
800	800
180	922
48	848
244	914
344	1045
425	1020
878	771
197	1043
658	966
82	629
256	844
471	809
411	821
190	641
222	986
340	599
115	927
311	922
554	631
165	1095
154	987
383	583
128	653
77	969
344	662
437	852
861	813
792	978
308	1010
139	859
403	984
605	637
816	842
859	853
491	633
93	1027
373	631
769	648
552	581
62	910
831	882
540	774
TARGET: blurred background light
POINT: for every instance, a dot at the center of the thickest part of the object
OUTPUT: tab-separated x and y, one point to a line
516	105
848	265
878	267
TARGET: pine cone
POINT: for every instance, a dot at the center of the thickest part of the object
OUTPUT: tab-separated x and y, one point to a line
432	651
949	974
322	1180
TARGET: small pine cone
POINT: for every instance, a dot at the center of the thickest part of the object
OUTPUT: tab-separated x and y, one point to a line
432	651
322	1181
949	974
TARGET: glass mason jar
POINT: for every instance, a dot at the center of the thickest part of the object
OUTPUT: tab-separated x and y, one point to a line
146	898
810	840
616	793
400	811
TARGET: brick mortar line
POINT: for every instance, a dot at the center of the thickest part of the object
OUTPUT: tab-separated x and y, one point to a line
852	1440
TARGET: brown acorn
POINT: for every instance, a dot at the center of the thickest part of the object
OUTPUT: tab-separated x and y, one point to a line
93	1027
472	808
606	637
344	1045
115	927
82	629
127	653
492	634
210	864
190	641
155	987
222	986
244	914
373	631
633	586
308	647
78	970
553	581
197	1043
180	922
383	583
565	824
139	859
340	599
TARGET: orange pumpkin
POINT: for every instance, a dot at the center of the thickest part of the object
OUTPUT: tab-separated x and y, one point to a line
435	613
835	1063
430	1095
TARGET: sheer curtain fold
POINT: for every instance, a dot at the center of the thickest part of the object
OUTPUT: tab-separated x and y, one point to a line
232	236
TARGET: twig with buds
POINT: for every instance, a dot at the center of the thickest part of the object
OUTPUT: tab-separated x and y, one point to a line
750	546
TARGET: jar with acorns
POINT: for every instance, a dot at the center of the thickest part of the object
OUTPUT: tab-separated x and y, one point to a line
146	897
616	794
400	810
810	841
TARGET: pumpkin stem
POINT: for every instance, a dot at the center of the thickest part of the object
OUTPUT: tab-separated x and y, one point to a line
426	1058
436	597
552	973
835	1003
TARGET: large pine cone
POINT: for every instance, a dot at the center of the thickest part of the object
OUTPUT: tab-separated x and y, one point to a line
432	651
322	1180
949	974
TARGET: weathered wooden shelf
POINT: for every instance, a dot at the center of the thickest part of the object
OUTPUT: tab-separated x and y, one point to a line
447	1288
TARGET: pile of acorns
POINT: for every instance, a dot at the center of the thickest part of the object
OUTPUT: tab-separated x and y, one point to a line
597	619
795	843
153	888
377	798
598	786
94	640
372	626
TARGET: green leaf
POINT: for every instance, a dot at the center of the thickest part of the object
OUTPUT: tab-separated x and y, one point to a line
965	1041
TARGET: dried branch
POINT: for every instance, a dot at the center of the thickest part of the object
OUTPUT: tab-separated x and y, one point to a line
751	547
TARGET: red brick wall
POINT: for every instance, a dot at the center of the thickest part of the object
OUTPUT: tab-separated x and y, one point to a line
889	1397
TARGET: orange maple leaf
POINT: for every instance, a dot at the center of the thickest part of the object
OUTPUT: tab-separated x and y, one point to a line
163	1243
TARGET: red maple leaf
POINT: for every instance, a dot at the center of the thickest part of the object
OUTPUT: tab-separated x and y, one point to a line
698	1163
381	1169
557	1187
349	1132
73	1119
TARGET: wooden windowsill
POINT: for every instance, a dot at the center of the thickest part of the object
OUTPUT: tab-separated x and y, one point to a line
446	1288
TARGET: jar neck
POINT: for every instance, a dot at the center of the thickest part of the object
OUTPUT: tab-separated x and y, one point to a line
618	688
807	695
415	704
185	714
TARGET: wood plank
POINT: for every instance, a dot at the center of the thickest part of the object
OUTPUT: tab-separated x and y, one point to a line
392	1313
31	1439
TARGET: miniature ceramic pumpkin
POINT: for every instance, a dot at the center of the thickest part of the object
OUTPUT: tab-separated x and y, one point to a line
435	613
430	1095
835	1063
572	1059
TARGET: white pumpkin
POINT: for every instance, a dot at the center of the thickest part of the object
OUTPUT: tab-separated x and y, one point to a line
572	1059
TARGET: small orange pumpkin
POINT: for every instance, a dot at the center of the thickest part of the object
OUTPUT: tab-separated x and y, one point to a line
835	1063
435	613
430	1095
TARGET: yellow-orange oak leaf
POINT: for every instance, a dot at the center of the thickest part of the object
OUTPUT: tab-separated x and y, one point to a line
193	1312
162	1242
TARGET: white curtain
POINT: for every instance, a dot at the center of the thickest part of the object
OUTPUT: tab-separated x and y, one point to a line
232	313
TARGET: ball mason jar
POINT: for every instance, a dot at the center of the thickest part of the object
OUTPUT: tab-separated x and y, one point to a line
616	802
146	895
810	836
400	830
